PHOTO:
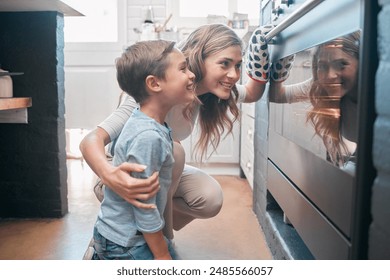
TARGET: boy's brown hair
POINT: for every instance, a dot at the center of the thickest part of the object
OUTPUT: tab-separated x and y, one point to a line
140	60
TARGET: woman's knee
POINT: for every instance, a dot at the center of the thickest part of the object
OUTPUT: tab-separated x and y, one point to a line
202	194
213	199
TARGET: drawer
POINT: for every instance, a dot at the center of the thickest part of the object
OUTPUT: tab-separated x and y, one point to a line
247	130
323	239
248	108
329	188
246	163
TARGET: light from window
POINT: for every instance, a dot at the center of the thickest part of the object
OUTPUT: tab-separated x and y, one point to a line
203	8
100	23
250	7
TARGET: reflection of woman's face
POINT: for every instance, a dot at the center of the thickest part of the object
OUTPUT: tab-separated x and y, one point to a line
337	71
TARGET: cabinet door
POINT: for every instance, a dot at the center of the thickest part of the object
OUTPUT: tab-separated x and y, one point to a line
227	151
246	147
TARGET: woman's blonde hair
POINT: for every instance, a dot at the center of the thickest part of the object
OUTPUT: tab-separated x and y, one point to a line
213	115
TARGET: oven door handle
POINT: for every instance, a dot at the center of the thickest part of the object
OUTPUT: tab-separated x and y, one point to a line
297	14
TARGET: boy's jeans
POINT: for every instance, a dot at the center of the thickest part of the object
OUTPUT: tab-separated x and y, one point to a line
108	250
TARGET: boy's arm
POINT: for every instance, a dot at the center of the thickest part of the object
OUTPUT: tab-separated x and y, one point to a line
149	221
157	245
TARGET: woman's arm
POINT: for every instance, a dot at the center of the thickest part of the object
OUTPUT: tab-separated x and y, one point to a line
277	92
257	65
254	91
93	149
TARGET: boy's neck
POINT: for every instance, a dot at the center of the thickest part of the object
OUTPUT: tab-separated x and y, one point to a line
155	111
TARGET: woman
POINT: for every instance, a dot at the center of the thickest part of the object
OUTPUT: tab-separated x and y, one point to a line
214	55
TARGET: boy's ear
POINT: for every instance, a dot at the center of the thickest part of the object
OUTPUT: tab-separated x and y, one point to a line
152	83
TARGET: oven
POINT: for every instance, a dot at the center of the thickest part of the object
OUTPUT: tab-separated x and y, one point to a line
318	165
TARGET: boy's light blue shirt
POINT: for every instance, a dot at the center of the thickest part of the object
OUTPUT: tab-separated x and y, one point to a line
144	141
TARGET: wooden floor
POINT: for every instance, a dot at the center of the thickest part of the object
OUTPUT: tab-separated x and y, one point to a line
233	234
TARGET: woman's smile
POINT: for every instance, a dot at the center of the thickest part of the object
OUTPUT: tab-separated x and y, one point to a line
227	85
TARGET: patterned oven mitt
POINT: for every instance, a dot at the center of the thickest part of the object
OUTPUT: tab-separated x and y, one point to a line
257	64
280	70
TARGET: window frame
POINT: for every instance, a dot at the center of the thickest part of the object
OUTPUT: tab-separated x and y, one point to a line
106	46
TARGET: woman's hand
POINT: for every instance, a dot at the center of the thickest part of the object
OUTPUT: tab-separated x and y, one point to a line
257	64
131	189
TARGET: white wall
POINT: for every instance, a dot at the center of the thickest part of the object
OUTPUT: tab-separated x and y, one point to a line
136	15
163	8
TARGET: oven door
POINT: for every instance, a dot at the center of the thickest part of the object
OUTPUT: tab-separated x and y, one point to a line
313	125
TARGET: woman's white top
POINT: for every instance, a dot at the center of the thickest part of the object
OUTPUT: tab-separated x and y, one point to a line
181	127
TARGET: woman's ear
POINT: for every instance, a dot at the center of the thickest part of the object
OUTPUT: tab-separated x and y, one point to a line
153	83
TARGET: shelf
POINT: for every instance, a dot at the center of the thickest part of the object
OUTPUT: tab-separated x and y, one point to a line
8	103
37	5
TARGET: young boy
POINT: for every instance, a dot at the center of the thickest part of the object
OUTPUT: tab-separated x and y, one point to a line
156	75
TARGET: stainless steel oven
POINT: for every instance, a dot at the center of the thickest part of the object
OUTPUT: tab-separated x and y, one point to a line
318	122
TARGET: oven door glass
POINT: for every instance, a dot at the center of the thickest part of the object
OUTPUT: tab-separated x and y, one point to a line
313	126
321	93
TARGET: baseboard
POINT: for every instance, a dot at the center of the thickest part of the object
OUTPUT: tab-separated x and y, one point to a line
218	168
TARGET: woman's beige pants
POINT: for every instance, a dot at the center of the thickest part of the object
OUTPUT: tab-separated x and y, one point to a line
193	194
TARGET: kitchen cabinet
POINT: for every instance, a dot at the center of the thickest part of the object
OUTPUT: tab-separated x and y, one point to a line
247	134
226	153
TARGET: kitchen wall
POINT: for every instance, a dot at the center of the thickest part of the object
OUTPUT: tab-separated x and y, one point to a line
89	66
163	8
136	15
379	246
90	72
32	156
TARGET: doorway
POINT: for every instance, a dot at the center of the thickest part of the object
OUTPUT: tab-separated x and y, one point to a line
92	43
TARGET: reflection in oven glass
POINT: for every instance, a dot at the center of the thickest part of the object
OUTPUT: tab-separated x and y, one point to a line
322	94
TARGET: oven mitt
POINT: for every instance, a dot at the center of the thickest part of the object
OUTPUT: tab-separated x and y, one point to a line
280	70
257	64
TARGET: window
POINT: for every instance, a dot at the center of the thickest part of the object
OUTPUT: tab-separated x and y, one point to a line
190	14
197	8
99	23
250	7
